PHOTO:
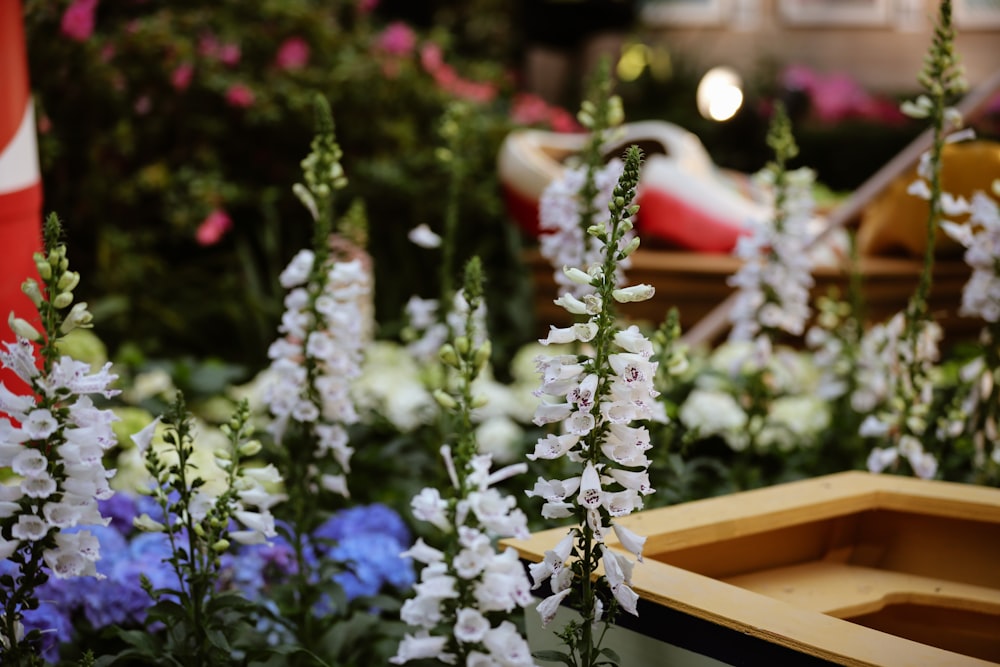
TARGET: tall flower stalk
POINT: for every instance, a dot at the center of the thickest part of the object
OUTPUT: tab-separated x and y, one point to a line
431	322
576	200
53	440
315	360
466	588
774	282
200	525
597	397
897	359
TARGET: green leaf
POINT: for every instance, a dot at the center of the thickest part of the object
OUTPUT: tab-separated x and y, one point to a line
554	656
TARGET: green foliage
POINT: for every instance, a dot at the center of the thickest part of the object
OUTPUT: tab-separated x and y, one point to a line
139	145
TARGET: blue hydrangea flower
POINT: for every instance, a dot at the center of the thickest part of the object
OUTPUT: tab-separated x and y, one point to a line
364	520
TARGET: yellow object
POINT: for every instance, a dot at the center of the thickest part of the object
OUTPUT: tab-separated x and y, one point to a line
896	221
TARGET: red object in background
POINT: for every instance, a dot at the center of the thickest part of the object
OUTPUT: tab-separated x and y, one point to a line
20	180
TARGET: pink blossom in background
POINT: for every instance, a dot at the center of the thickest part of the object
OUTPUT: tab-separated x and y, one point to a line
397	39
181	77
208	46
528	109
367	6
107	53
229	54
447	78
431	58
292	54
78	20
143	105
837	97
239	96
213	228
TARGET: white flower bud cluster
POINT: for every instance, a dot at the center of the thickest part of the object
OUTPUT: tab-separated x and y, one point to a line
318	356
774	281
563	239
56	443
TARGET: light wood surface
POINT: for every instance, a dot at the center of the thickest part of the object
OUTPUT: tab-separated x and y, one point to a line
784	563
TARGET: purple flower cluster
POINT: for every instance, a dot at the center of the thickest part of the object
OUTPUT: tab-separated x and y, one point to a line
366	540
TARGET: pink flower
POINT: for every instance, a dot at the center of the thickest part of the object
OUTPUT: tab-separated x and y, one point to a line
239	96
213	228
107	53
397	39
367	6
528	109
181	78
208	46
293	54
143	105
431	58
78	20
229	54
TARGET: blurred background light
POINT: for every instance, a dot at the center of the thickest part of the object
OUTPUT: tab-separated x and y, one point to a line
720	94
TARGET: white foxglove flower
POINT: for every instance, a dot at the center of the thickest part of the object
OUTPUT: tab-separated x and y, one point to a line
548	607
421	646
423	236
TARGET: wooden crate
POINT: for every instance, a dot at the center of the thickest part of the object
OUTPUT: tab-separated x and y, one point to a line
850	569
695	283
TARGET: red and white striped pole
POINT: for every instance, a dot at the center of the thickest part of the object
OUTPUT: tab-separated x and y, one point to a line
20	179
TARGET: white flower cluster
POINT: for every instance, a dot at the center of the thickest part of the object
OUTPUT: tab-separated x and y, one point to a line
981	238
563	240
774	281
612	486
460	591
794	415
56	453
895	391
977	410
429	331
319	355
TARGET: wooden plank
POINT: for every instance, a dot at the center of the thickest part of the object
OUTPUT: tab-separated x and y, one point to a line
926	538
843	590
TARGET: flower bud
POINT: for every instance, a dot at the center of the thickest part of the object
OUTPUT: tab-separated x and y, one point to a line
445	400
68	281
250	448
147	525
483	354
462	345
22	328
631	247
220	546
448	356
634	293
479	401
43	266
577	276
31	289
63	300
199	530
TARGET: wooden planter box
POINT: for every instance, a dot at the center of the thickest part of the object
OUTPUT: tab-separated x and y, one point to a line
850	569
695	283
